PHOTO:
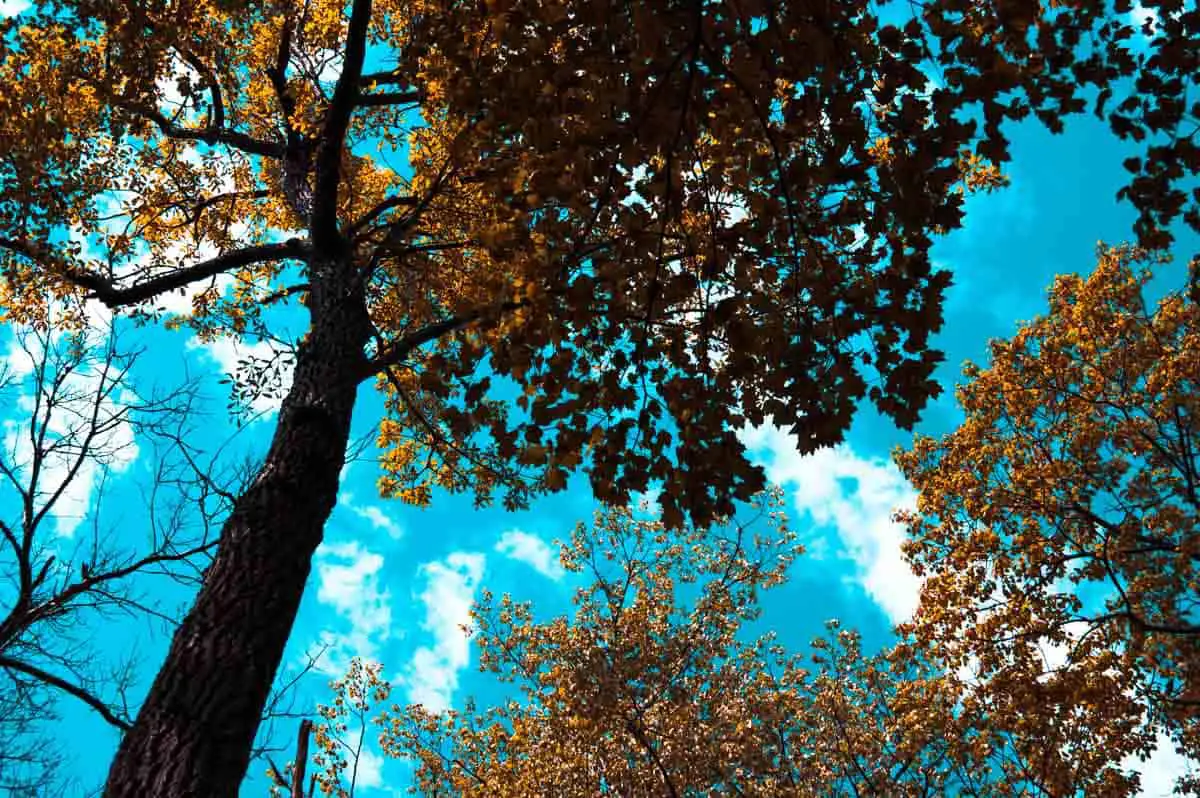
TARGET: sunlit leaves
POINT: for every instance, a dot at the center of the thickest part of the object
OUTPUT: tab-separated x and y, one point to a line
654	222
656	685
1057	525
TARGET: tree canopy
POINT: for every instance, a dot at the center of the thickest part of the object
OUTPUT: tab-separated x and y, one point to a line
1056	527
658	683
654	222
1054	643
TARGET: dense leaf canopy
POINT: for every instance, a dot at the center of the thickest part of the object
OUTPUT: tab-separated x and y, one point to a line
1061	516
660	220
651	223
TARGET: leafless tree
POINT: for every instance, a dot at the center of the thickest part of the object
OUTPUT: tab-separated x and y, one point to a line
72	557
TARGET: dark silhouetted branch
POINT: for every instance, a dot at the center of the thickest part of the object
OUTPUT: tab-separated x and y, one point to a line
333	135
104	289
210	134
67	687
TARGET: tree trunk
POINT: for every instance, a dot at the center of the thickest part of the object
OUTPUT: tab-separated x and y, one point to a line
194	732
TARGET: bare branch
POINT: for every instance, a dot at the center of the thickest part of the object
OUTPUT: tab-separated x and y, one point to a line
67	687
82	415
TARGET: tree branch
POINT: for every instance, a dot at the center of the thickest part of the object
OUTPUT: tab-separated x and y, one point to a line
301	759
216	117
333	136
398	227
381	78
297	160
66	687
55	604
277	74
104	289
399	350
382	208
388	98
210	134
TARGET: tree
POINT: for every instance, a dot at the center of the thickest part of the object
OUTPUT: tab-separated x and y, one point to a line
1062	514
654	685
340	746
74	422
653	222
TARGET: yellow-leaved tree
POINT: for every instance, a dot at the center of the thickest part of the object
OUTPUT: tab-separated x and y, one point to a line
1058	527
660	220
657	685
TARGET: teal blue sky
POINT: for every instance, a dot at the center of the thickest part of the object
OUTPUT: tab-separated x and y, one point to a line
392	582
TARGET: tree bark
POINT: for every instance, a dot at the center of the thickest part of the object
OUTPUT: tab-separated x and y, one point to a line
298	767
194	732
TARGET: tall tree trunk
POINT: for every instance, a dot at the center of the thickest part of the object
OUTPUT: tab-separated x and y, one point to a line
194	732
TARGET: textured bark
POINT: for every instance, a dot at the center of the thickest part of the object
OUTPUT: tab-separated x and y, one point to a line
194	732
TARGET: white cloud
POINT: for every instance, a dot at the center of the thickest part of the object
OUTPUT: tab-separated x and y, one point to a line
168	84
21	361
1139	15
380	521
10	8
171	102
857	496
1055	655
180	301
348	581
86	406
968	672
1160	771
531	550
331	70
185	251
373	515
369	770
450	585
648	502
118	209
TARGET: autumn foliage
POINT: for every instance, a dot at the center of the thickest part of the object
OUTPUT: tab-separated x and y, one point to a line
659	683
1054	642
755	189
1057	526
651	222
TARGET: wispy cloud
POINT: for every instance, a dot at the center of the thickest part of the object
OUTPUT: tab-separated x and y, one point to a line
531	550
373	515
86	405
450	585
855	495
228	354
348	577
369	771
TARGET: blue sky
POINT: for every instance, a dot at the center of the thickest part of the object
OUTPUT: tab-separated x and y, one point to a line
393	583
